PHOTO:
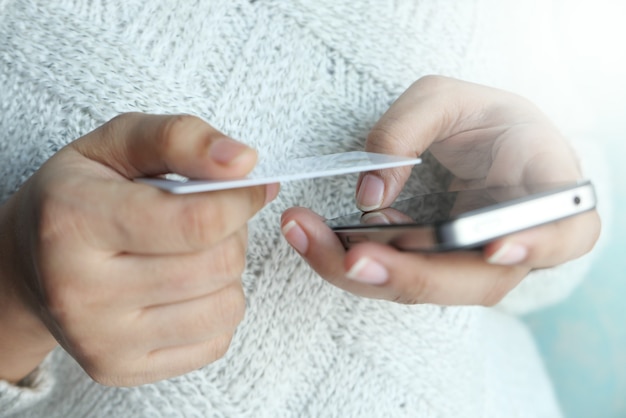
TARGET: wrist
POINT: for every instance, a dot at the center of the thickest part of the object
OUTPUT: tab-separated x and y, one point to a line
24	339
24	344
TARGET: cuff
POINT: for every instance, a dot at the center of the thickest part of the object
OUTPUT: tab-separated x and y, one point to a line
15	398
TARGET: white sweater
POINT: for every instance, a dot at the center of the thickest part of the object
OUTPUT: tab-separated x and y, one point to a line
290	78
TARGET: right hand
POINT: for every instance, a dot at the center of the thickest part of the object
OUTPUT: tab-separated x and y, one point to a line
135	283
485	137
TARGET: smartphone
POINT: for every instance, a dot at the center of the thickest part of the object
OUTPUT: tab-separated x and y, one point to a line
464	219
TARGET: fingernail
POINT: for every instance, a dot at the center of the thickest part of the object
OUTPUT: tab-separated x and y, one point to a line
368	271
370	194
374	218
296	237
225	150
509	254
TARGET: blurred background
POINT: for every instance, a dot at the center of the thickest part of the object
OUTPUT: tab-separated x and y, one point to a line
583	339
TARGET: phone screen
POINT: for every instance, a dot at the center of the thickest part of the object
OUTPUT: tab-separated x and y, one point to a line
464	218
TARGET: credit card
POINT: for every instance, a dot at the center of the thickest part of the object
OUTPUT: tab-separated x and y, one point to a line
280	171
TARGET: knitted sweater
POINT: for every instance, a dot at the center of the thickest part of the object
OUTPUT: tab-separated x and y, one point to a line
292	79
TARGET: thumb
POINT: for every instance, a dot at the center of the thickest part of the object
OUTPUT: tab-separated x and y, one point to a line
136	144
408	128
432	109
379	188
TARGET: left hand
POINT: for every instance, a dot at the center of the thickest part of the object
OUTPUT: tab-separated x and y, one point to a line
484	136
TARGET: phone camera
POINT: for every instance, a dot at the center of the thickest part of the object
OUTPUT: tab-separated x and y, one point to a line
576	200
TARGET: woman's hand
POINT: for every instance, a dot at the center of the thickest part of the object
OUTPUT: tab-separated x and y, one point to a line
135	283
484	137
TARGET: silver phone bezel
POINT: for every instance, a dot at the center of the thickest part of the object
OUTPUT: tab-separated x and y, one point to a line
477	227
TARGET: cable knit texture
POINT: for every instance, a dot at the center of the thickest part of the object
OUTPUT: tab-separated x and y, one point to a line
292	79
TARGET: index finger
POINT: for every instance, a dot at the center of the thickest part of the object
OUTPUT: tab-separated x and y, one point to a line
379	271
135	144
432	109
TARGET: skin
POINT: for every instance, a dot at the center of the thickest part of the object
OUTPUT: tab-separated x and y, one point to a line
136	284
139	285
484	136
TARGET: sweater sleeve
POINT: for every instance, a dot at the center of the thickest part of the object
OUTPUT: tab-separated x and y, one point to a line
17	398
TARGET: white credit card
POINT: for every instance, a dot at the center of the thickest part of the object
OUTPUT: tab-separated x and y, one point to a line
278	171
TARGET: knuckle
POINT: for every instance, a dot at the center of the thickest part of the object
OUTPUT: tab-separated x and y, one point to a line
415	291
66	213
232	306
392	135
99	376
407	299
123	120
110	363
226	312
503	284
203	323
219	347
203	225
118	370
232	257
432	83
101	370
102	375
386	134
117	127
171	130
118	124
